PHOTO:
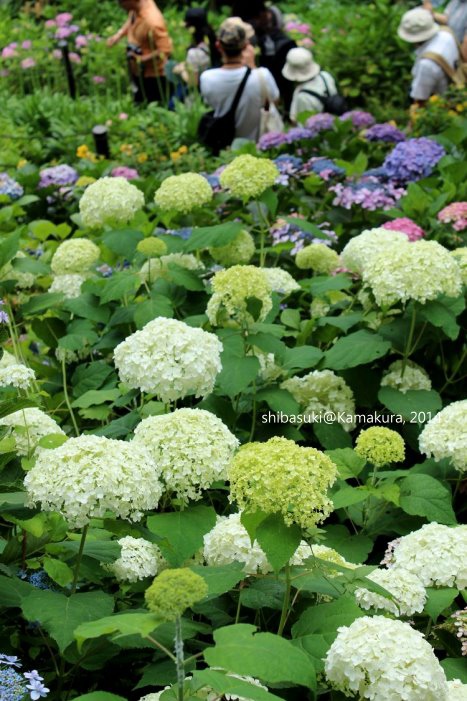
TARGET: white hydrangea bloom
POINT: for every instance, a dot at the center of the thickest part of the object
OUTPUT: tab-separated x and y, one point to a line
170	359
421	271
406	588
154	696
269	370
191	447
15	374
28	426
457	691
414	377
435	553
384	660
74	256
138	559
280	281
69	285
229	542
362	248
156	267
110	201
322	552
90	475
321	391
445	436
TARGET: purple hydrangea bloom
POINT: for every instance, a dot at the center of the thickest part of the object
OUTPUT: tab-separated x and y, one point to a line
286	232
273	139
384	132
10	187
58	175
368	193
413	159
324	167
359	118
297	134
124	172
320	122
288	166
381	173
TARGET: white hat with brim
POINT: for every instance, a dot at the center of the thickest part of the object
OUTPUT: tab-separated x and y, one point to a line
300	66
417	26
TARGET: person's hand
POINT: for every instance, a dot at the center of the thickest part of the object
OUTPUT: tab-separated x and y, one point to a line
248	56
427	5
111	41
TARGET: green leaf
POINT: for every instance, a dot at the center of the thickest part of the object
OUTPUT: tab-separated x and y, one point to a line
119	286
411	404
332	435
42	303
87	307
279	400
237	373
326	283
9	248
440	316
272	659
291	318
152	308
349	495
278	541
354	548
60	614
224	684
53	440
101	550
185	278
301	358
438	600
182	531
347	462
99	696
220	579
58	571
355	349
123	242
455	668
213	236
13	590
423	495
95	397
7	408
124	624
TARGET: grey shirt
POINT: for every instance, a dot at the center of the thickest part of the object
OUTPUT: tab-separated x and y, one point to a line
456	11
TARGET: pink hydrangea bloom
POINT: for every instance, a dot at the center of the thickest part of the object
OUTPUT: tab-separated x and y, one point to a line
28	63
50	23
406	226
56	53
98	79
456	212
27	44
9	52
124	172
123	115
74	57
81	41
63	18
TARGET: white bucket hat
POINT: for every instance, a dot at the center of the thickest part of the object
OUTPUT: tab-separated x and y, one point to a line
300	65
417	26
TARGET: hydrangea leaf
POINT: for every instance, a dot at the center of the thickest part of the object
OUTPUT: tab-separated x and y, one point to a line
182	531
224	684
213	236
121	624
355	349
411	403
220	579
422	495
99	696
455	668
278	541
438	600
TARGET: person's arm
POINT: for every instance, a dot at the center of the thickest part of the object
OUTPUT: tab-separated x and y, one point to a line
160	43
248	56
464	48
123	31
440	17
273	90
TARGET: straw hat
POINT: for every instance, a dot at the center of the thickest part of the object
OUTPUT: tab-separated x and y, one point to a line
417	26
300	65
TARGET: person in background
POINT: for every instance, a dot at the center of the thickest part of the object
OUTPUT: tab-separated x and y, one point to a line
219	85
249	53
203	52
303	70
148	48
455	16
418	27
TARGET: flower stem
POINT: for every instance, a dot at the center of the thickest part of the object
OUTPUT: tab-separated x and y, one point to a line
179	661
286	602
67	398
79	558
408	345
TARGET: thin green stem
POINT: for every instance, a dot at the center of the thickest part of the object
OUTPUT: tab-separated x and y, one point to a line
179	662
161	647
253	416
78	559
286	602
408	345
67	398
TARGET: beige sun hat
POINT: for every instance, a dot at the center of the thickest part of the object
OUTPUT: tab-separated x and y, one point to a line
300	65
417	26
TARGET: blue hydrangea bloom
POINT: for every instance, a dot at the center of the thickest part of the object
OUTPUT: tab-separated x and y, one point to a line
413	159
12	685
10	187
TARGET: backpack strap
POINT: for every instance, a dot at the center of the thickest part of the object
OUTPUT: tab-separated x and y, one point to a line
319	97
326	87
239	93
442	63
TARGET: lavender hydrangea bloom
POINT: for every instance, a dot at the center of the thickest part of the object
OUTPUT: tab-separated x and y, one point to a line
320	122
288	166
359	118
384	132
413	159
324	167
124	172
10	187
58	175
298	134
368	193
273	139
287	232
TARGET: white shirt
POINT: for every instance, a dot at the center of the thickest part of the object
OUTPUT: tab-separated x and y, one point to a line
429	78
303	102
218	87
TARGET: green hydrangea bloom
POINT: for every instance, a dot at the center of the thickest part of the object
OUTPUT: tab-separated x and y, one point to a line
414	377
232	288
380	446
182	193
460	256
248	177
173	591
238	252
74	256
317	257
152	247
280	477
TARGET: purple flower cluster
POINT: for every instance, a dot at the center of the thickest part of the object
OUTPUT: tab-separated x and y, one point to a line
359	118
125	172
58	175
287	232
273	139
288	166
298	134
384	132
15	685
368	193
319	122
413	159
10	187
324	167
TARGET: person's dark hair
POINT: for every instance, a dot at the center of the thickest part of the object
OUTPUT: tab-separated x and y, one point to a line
197	18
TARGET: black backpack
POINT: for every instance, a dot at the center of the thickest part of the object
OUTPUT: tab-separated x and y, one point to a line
217	133
334	104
